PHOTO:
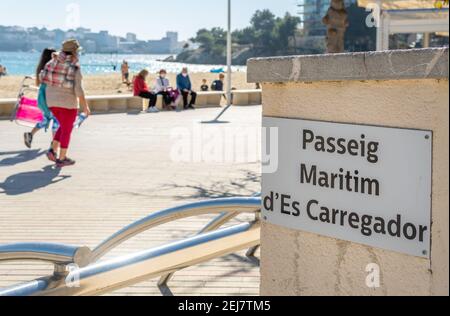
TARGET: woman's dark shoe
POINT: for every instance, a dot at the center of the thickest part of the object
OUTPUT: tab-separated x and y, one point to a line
51	155
65	163
28	139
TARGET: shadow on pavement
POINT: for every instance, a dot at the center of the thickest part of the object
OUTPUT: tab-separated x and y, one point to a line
218	189
30	181
20	157
247	185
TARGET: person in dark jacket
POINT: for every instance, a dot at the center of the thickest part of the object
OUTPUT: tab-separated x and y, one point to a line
185	86
218	85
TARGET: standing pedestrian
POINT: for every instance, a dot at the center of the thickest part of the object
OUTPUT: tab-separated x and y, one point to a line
47	55
63	78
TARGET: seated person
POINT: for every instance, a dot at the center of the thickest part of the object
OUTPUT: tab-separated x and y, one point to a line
185	86
140	89
204	86
162	87
218	85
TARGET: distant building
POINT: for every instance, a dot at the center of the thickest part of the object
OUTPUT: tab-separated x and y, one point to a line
173	36
14	38
127	47
89	46
166	45
131	37
106	43
40	45
82	30
60	36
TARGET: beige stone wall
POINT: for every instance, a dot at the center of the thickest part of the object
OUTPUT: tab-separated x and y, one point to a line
299	263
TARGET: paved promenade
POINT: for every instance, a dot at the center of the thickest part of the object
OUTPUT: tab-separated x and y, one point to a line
128	166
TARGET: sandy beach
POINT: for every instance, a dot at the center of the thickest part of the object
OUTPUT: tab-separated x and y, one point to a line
111	83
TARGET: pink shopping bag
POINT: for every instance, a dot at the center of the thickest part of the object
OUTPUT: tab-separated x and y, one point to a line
28	113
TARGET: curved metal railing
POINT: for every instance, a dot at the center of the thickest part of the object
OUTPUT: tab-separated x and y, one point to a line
98	278
107	276
221	206
47	252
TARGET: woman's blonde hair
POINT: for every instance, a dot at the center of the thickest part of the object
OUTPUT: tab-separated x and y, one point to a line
143	73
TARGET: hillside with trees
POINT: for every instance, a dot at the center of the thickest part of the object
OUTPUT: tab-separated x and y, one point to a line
267	35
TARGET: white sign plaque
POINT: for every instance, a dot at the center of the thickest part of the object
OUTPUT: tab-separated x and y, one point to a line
366	184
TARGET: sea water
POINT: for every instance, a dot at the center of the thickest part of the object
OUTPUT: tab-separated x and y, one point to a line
24	63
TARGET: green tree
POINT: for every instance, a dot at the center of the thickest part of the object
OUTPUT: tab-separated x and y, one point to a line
212	41
205	39
285	29
263	23
267	35
245	36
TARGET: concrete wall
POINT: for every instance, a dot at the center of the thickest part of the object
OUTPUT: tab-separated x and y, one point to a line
300	263
123	103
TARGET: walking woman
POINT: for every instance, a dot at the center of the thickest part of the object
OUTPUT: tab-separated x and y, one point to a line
63	78
141	90
47	55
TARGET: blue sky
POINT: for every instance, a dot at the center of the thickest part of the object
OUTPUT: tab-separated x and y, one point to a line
147	18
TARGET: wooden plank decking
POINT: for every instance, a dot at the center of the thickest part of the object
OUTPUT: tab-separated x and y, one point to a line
124	172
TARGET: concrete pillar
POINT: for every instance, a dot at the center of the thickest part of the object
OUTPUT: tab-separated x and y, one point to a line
380	33
394	89
383	32
426	40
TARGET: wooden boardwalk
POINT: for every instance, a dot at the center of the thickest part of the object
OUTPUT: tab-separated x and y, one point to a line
128	167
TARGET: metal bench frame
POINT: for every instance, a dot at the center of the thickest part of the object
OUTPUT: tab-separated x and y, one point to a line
99	277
